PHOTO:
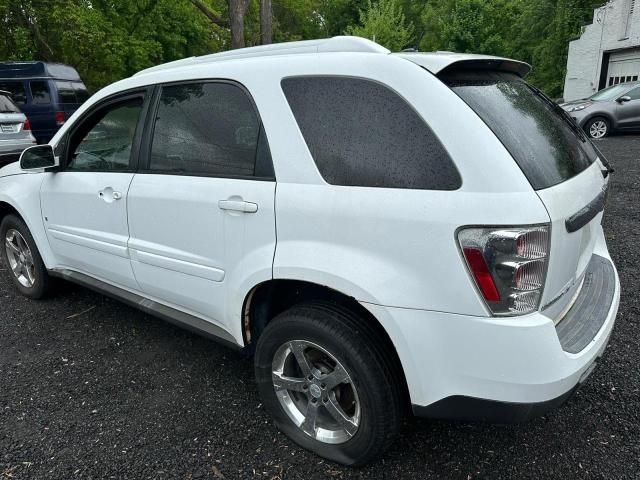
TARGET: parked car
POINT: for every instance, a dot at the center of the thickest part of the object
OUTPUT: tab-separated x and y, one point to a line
615	108
15	131
434	239
47	93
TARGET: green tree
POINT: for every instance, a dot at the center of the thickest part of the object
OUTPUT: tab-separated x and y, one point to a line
385	23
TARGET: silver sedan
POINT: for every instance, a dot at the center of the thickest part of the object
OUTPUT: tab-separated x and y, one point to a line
15	131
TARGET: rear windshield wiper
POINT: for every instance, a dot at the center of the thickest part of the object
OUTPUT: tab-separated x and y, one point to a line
8	111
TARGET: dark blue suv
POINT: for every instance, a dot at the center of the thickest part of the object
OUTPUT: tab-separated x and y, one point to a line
47	93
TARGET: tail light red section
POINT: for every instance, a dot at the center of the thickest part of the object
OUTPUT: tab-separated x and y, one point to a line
60	118
508	265
26	125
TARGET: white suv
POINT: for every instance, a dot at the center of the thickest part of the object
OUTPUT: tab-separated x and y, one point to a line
380	230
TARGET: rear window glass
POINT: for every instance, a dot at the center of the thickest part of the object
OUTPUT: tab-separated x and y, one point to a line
6	105
547	145
16	89
361	133
40	92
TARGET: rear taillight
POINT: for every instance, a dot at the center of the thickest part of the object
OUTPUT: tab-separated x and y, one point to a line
59	118
509	265
26	125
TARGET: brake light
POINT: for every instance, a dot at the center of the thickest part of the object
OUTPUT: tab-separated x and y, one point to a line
26	125
59	118
508	265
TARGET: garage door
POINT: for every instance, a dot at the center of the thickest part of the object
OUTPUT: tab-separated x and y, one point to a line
624	66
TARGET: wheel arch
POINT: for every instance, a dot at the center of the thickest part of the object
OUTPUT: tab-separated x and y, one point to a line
607	116
269	298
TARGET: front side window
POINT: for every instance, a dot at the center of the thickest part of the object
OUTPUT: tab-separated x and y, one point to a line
104	141
16	89
40	92
206	129
362	133
634	94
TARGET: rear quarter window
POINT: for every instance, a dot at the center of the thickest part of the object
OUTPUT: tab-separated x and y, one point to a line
362	133
545	143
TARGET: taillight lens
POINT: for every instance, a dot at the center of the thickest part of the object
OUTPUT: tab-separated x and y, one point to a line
26	125
59	118
509	265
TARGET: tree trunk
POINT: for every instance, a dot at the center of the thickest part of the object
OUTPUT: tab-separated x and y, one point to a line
266	22
237	11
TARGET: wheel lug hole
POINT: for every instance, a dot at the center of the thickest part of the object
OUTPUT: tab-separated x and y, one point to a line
314	400
325	399
323	385
305	387
310	377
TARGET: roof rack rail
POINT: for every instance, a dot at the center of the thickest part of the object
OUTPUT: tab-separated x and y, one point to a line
334	44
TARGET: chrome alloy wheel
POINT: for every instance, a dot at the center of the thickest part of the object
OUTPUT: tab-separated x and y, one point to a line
598	129
20	258
316	392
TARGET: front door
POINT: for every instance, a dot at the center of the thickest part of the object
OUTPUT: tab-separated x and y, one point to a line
628	112
201	210
85	205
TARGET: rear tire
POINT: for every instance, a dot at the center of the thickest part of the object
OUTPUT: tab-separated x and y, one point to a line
351	421
598	127
22	259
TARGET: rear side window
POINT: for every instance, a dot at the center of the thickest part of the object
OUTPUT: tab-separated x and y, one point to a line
71	92
546	144
66	94
7	106
362	133
208	129
16	89
39	92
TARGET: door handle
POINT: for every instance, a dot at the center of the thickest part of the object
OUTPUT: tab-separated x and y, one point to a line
238	206
109	195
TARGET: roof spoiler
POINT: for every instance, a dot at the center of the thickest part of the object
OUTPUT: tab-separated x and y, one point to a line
440	63
521	69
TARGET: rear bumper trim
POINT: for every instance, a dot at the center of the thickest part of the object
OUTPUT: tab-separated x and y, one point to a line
589	312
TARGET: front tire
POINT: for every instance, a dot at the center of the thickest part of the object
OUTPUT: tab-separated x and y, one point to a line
329	382
22	259
598	127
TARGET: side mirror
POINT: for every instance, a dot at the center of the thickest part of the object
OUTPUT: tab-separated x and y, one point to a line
623	99
38	157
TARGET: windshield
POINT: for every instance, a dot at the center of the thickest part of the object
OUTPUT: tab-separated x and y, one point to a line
545	143
609	93
7	106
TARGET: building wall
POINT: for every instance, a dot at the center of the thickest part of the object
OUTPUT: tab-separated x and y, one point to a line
613	28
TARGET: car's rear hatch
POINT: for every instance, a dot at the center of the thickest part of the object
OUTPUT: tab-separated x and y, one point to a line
553	153
11	119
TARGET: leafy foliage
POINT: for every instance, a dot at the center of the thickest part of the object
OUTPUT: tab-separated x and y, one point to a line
110	39
384	22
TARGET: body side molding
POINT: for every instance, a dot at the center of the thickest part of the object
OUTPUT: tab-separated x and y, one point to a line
168	314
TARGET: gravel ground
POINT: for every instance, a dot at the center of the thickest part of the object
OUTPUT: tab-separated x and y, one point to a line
90	388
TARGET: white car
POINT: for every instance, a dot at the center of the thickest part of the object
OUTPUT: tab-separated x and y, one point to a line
381	230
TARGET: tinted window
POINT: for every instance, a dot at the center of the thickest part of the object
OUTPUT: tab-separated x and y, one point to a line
105	140
205	129
361	133
39	92
634	94
542	139
7	106
16	89
66	93
81	92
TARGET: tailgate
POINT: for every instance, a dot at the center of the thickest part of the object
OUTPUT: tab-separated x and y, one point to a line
575	208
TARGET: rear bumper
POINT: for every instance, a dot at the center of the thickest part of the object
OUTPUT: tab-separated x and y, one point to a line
496	369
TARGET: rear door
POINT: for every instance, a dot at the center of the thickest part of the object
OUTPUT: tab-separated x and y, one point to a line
42	110
558	160
201	210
